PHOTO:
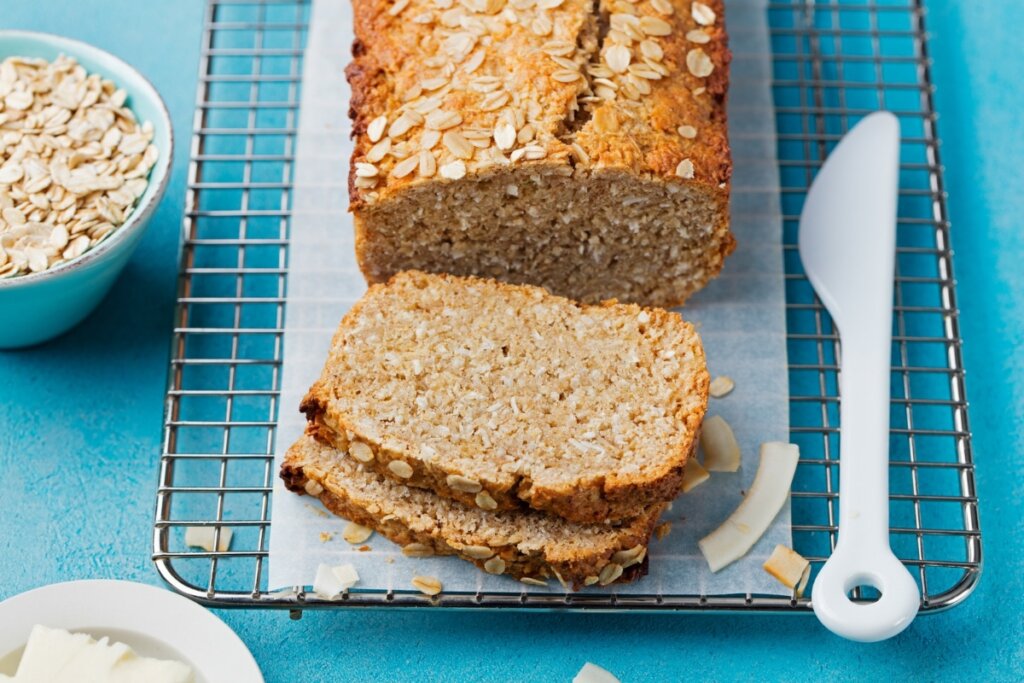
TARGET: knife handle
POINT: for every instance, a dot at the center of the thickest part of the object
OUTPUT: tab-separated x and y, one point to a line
862	555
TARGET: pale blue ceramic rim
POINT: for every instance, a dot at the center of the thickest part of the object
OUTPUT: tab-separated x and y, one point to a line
95	60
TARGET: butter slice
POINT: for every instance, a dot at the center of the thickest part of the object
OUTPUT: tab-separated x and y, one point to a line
57	656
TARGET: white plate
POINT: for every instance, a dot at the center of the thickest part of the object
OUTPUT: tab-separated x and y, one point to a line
152	621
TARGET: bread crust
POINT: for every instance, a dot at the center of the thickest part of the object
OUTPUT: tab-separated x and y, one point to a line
601	500
608	498
388	59
571	567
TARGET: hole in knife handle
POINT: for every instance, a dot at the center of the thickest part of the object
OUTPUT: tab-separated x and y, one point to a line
863	589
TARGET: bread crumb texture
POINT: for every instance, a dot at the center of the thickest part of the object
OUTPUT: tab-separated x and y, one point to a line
505	396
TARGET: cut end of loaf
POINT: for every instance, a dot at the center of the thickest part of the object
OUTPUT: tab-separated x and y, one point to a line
592	235
577	145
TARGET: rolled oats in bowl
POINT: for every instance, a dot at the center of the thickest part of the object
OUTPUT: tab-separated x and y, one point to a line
73	162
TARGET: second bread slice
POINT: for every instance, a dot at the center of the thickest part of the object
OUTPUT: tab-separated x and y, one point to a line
523	544
499	396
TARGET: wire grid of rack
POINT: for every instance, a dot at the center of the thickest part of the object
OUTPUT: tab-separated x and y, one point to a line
834	61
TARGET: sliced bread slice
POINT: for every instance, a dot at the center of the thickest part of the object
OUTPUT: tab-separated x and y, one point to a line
522	543
498	395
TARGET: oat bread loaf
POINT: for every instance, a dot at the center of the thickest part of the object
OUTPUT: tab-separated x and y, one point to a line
575	144
503	396
523	544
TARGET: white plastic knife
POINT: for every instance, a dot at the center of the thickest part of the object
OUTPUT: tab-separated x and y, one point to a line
847	244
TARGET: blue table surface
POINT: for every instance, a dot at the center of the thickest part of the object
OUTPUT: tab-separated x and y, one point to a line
81	417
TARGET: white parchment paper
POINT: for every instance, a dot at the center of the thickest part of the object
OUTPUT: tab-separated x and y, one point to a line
741	317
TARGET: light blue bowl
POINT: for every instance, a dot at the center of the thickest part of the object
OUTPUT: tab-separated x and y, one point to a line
39	306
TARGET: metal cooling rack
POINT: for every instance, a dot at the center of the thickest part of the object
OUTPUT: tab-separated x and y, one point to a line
833	61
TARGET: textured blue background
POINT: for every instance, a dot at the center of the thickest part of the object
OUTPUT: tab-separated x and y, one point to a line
80	424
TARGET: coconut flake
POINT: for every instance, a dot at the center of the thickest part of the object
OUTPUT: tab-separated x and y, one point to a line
721	451
745	526
790	568
330	582
591	673
694	475
203	537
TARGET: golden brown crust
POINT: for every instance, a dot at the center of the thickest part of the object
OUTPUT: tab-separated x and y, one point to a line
649	143
571	566
603	498
392	57
610	500
425	475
